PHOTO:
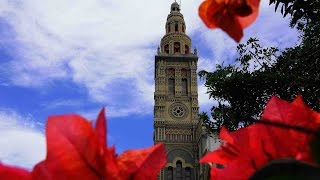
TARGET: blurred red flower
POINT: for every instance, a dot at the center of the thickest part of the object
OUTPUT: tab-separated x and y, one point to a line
246	150
13	173
75	150
232	16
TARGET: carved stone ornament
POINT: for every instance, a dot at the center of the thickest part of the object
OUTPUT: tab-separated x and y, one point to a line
178	111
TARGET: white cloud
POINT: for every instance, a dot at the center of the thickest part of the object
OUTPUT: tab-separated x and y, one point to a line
204	102
22	144
62	103
105	45
206	64
272	29
102	45
118	111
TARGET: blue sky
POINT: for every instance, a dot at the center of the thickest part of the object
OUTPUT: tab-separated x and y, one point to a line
76	56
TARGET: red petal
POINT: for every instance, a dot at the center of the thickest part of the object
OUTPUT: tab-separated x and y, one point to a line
142	164
219	156
295	113
72	150
112	170
315	116
101	128
231	16
13	173
240	169
225	135
278	110
298	101
259	143
236	139
227	151
247	20
232	26
207	11
214	173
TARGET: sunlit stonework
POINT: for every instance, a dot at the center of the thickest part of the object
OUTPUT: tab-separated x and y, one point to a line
176	109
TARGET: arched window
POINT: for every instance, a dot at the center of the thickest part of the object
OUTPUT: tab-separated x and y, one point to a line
184	86
179	170
184	82
184	73
169	28
183	27
171	81
166	48
188	173
176	47
170	73
176	27
171	85
186	47
170	173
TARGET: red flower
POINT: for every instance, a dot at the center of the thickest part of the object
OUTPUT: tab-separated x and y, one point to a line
13	173
75	150
248	149
232	16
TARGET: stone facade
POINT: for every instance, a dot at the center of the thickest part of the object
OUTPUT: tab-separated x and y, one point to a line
176	106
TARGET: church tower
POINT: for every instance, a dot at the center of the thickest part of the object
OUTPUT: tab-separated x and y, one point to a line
176	100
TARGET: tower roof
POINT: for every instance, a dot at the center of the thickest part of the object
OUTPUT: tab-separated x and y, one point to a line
175	41
175	7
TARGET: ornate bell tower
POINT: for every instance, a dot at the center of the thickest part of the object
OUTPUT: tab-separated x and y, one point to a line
176	100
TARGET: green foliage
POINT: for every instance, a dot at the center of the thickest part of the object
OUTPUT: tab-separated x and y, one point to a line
300	10
243	88
240	89
206	122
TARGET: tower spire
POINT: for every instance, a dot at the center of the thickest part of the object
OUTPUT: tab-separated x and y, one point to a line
175	41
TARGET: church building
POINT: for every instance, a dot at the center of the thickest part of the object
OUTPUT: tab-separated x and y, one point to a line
176	108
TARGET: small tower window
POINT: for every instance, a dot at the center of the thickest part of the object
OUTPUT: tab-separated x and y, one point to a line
184	87
176	47
179	170
166	48
188	173
171	81
183	28
171	85
169	28
170	173
186	47
176	27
